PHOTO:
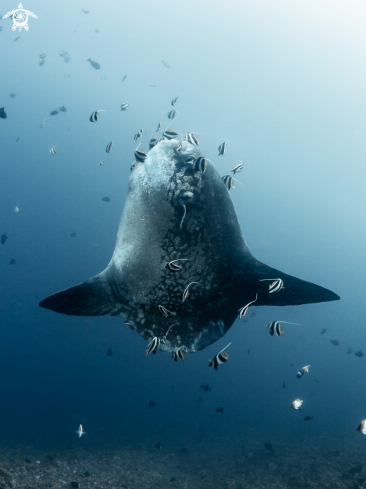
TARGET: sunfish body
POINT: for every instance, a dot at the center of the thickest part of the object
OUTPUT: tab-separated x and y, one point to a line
175	210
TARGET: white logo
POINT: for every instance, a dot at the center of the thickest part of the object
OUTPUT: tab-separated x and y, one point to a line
20	17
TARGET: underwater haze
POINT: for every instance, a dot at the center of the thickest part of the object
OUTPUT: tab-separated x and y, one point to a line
284	83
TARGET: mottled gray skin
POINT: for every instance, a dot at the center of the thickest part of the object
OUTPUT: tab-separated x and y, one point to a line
137	279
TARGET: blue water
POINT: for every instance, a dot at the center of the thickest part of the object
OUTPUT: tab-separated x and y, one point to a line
284	81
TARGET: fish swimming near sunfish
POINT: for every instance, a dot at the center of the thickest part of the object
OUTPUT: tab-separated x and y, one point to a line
296	404
151	235
3	113
109	147
362	427
94	64
65	56
269	447
303	371
3	238
219	358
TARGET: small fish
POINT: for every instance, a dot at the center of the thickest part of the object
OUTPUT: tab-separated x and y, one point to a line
206	387
3	238
12	95
174	101
186	291
349	351
124	78
42	55
94	64
269	447
219	358
12	261
229	182
192	138
296	404
124	106
170	134
275	328
54	112
159	126
101	162
362	427
359	354
63	109
174	267
53	150
80	431
85	11
158	446
17	209
140	155
106	199
303	371
244	310
41	63
109	352
73	234
237	168
200	164
17	139
142	130
152	403
65	56
3	113
137	136
179	354
153	346
108	149
95	116
165	312
335	342
153	141
275	286
172	114
43	124
323	331
308	418
222	148
284	385
220	410
16	38
165	64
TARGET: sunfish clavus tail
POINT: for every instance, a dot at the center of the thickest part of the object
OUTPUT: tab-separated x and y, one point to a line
179	235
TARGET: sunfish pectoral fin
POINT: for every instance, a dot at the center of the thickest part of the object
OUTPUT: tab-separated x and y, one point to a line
294	292
90	298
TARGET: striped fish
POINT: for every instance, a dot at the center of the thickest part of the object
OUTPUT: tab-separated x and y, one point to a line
179	354
42	55
153	346
137	136
362	427
170	134
219	358
165	312
222	148
200	164
94	117
172	114
229	182
192	138
174	267
275	286
179	146
186	291
237	168
174	101
275	328
303	371
244	310
109	147
159	126
153	141
296	404
140	155
53	150
124	106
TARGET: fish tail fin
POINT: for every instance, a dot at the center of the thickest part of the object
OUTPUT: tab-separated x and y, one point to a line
90	298
294	292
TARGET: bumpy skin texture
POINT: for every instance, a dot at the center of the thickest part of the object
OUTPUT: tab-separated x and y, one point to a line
152	233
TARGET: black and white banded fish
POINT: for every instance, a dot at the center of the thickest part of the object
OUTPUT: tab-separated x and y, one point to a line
170	134
276	285
174	267
166	334
179	146
244	310
159	126
142	129
109	147
172	114
140	155
296	404
192	138
53	150
166	312
200	164
42	55
237	168
174	101
222	148
229	182
153	346
186	291
179	354
124	106
276	329
95	115
219	358
153	141
137	136
362	427
303	371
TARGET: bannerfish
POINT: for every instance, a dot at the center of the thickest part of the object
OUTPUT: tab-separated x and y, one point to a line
42	55
3	238
53	151
124	106
109	147
3	113
275	328
219	358
151	235
303	371
109	352
153	141
192	138
362	427
80	431
106	199
153	346
179	353
174	101
94	64
172	114
296	404
222	148
237	168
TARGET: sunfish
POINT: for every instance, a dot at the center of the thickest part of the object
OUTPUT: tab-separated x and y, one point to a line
180	246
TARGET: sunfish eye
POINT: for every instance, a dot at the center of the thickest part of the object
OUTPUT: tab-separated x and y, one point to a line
186	197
